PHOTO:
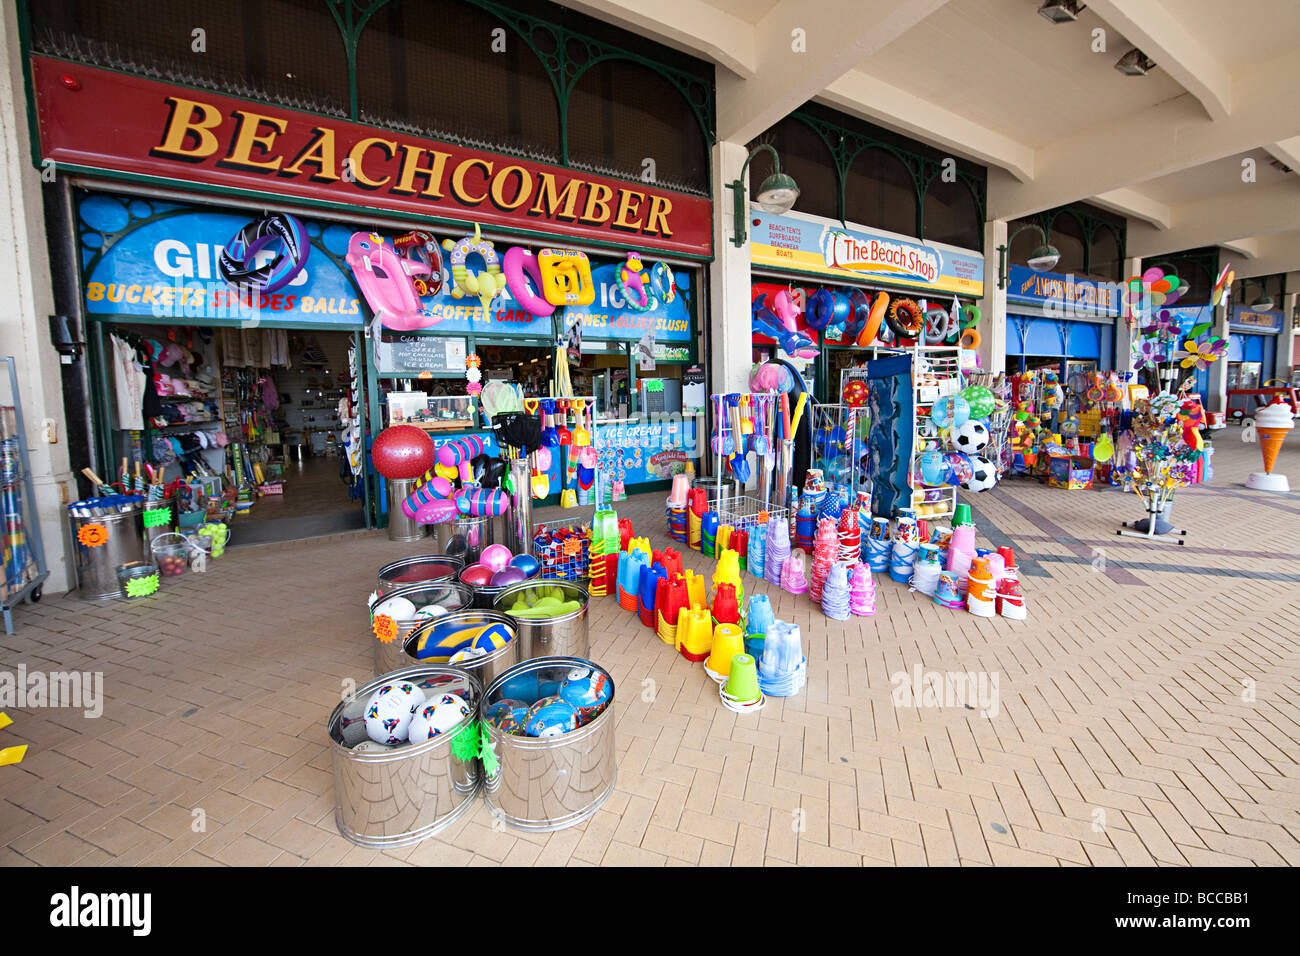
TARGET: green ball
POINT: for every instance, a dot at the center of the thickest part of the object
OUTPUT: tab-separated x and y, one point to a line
980	400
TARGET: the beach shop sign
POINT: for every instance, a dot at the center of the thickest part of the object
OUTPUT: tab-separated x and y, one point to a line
815	246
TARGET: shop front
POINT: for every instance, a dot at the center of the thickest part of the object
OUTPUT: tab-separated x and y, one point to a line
247	256
851	290
1251	358
1060	322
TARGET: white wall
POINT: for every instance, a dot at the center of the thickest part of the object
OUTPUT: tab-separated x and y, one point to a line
28	299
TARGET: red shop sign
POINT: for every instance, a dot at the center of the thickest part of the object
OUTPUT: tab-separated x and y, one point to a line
112	121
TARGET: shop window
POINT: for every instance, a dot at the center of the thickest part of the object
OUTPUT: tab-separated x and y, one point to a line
951	214
414	70
879	191
1104	259
805	156
282	51
627	121
1067	236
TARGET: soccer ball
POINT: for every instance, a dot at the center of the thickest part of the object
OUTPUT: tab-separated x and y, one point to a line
437	716
389	710
551	717
970	436
587	690
985	475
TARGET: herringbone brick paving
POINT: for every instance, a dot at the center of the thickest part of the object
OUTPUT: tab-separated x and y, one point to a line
1148	713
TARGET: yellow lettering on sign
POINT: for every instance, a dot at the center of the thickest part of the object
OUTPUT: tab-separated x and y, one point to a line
555	204
656	219
319	153
598	197
522	194
357	158
189	119
458	180
249	136
411	168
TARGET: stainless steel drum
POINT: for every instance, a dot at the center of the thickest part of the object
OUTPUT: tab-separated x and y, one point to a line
464	537
548	783
419	569
397	796
400	527
103	543
389	655
465	623
563	635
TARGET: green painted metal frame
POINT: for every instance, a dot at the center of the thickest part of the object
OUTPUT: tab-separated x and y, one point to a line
563	66
1089	224
846	144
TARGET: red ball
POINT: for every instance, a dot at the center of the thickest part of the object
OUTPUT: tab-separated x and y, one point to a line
403	451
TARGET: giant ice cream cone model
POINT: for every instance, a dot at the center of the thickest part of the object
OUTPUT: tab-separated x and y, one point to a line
1272	423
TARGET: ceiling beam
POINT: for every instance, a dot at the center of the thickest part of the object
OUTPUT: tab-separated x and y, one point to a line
801	48
1287	151
1159	33
1135	205
692	26
865	96
1247	211
1276	254
1162	139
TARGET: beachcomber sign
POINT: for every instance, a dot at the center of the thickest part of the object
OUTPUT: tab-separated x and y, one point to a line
100	119
823	247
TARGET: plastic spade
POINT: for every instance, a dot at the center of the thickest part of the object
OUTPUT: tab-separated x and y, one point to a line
717	424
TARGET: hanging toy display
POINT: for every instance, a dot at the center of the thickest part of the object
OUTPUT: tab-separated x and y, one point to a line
905	319
422	247
634	283
519	267
238	261
485	285
386	281
663	283
473	374
566	277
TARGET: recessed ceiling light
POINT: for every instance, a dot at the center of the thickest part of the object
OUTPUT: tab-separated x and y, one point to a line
1061	11
1135	63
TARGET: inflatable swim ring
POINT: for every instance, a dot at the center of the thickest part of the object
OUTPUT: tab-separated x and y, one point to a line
879	306
385	281
859	312
237	263
519	266
970	316
485	285
633	283
663	282
904	319
821	309
970	339
423	248
566	277
936	325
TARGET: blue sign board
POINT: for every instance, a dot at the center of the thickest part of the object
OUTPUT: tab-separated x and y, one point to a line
1064	296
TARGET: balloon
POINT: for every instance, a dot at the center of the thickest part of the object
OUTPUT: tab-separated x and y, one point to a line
950	412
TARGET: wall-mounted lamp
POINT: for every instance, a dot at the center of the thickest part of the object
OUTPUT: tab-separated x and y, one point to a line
1264	302
1043	259
776	195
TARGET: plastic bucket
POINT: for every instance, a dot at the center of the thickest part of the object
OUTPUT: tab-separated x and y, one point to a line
564	635
400	796
485	668
171	552
419	569
390	656
138	579
548	783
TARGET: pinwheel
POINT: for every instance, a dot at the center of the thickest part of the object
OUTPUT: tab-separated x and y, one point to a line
1201	352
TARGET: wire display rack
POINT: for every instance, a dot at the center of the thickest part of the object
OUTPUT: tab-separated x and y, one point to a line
563	549
744	512
24	553
832	446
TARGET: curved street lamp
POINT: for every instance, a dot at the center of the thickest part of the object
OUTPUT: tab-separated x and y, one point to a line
776	195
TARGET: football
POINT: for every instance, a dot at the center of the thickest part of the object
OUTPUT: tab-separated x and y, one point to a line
437	717
971	436
389	710
985	475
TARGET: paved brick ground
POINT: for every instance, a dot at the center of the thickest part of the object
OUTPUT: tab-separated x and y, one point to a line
1124	735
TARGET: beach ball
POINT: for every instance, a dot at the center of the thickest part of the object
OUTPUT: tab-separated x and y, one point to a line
437	716
960	468
933	469
551	717
508	716
950	412
980	400
526	563
586	689
492	637
403	451
389	710
495	557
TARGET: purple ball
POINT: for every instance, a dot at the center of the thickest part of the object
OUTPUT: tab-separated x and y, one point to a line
526	563
508	575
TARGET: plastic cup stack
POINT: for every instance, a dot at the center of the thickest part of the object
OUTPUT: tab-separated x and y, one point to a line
862	591
878	546
835	595
850	537
825	553
757	546
793	577
925	572
777	550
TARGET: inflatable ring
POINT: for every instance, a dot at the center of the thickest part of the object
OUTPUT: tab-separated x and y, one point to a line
970	316
518	266
663	283
821	310
423	248
970	339
485	285
936	325
875	317
237	263
632	282
859	312
904	319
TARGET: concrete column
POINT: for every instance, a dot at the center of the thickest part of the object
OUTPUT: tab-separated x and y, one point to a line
1123	334
1218	398
27	292
993	306
730	343
1286	338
